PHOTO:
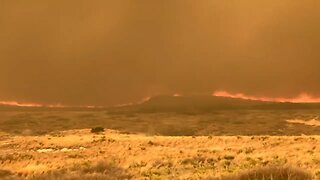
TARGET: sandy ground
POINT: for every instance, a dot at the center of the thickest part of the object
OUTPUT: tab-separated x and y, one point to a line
312	122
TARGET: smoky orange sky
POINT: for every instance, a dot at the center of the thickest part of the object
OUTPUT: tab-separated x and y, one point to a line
104	52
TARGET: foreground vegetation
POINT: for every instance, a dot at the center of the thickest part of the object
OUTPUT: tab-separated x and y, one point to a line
81	154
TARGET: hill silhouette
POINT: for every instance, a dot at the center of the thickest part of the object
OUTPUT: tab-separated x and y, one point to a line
181	104
203	104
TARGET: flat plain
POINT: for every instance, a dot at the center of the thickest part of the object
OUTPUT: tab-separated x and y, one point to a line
59	144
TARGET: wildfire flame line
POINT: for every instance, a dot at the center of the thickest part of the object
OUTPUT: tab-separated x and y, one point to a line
302	98
14	103
20	104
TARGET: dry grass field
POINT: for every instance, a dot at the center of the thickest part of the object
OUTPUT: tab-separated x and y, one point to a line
220	145
80	154
219	122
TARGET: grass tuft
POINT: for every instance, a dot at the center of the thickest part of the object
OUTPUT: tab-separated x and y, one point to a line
272	173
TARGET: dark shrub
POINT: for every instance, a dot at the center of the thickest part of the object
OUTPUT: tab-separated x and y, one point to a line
97	130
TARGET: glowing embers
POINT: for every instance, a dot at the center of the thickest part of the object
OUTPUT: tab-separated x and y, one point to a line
177	95
302	98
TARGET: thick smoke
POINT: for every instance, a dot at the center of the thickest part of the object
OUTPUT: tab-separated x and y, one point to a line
80	52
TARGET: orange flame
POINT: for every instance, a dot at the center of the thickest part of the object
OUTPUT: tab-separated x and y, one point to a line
14	103
19	104
302	98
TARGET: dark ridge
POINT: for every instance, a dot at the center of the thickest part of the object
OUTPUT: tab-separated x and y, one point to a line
203	104
191	104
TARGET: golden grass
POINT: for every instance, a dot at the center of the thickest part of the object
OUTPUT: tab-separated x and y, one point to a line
271	173
81	154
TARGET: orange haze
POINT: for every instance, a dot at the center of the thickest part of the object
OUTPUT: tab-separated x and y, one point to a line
106	53
302	98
